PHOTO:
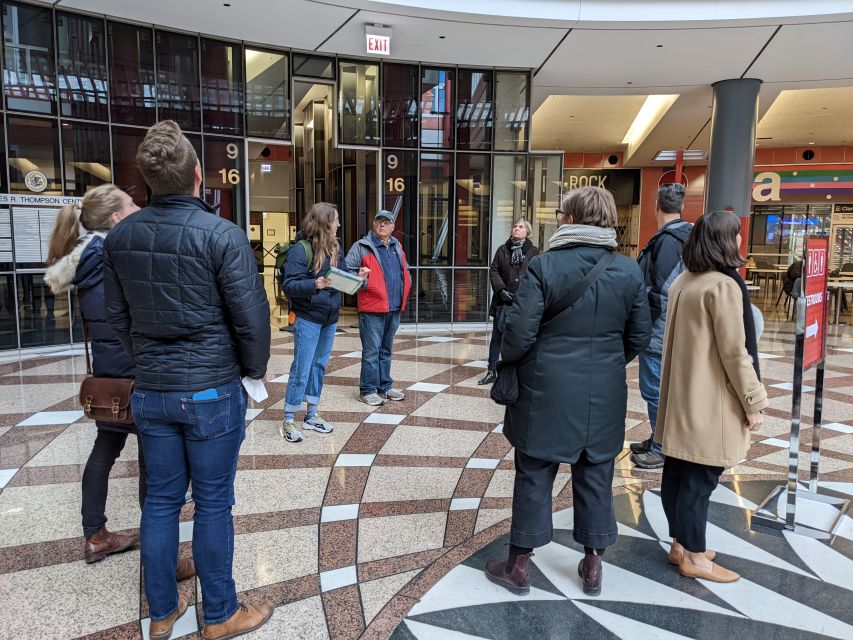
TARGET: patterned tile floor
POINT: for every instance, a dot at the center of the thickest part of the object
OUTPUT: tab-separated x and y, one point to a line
349	533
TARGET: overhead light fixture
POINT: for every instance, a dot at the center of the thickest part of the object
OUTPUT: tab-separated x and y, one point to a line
689	154
647	118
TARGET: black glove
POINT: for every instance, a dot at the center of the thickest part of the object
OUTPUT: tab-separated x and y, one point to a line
506	296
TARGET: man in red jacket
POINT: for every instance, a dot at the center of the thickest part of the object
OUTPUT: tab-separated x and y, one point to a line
380	303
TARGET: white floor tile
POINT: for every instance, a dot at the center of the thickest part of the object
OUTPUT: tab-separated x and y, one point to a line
185	531
723	495
479	364
499	428
789	386
776	442
464	504
482	463
281	379
339	512
827	563
768	356
422	631
51	417
251	414
384	418
6	475
837	426
351	354
185	625
338	578
438	339
429	387
355	460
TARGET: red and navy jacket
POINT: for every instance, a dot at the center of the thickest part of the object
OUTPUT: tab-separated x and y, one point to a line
374	297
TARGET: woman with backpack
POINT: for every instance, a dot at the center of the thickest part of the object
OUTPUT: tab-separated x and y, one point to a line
317	307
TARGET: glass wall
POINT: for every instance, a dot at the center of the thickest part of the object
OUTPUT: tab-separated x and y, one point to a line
777	232
444	147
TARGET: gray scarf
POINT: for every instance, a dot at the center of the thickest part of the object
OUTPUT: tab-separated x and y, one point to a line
583	234
517	253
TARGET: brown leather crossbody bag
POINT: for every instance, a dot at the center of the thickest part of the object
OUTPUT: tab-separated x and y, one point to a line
105	399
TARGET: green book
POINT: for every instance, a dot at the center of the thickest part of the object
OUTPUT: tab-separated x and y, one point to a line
344	280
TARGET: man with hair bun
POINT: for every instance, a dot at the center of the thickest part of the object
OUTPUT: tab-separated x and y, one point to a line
184	297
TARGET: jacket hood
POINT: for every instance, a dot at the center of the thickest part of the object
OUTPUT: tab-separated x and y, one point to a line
62	274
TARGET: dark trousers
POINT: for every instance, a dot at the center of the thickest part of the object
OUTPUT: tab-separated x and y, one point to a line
685	491
497	336
96	477
595	522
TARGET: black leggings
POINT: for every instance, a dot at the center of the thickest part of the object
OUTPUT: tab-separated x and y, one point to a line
685	491
96	477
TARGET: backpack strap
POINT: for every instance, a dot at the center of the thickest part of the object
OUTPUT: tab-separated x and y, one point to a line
580	288
309	252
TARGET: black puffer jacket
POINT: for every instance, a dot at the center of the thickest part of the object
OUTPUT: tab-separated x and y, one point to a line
184	296
503	274
572	391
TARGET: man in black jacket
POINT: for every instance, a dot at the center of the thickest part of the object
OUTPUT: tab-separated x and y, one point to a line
184	297
661	264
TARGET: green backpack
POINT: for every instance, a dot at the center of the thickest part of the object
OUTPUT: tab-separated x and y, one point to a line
281	257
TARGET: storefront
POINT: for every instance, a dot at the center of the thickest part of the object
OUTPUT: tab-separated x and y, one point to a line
446	147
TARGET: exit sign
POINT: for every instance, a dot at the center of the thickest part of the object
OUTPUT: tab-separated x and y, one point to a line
378	40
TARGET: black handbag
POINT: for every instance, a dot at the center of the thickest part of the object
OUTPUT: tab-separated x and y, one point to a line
505	389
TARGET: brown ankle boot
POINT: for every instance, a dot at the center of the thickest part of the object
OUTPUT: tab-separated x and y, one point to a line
590	571
186	569
162	629
103	543
517	580
246	618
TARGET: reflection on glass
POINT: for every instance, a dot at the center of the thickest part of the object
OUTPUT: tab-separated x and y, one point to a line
400	104
29	69
358	103
33	155
434	295
222	86
43	317
512	111
86	155
410	313
544	177
509	199
8	324
82	72
313	66
436	193
223	177
7	262
474	111
177	79
125	172
778	231
267	104
4	186
470	290
400	185
473	195
437	87
132	79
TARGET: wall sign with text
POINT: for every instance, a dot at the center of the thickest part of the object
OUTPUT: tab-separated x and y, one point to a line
815	272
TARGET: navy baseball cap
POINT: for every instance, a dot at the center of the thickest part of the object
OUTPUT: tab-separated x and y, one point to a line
388	215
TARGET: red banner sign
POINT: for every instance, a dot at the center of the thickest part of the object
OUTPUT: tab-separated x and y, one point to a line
815	273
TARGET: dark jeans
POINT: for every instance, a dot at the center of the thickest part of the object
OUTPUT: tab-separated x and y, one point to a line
685	491
96	478
188	439
497	336
377	344
650	364
592	486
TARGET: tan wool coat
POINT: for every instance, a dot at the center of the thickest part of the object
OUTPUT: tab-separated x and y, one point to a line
708	384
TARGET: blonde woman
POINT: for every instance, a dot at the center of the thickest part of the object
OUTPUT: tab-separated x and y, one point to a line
316	306
75	257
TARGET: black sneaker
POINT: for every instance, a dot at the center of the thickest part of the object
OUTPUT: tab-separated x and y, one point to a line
641	447
648	460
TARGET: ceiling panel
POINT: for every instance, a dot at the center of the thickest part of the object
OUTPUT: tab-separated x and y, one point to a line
463	43
632	58
796	118
807	52
295	23
584	123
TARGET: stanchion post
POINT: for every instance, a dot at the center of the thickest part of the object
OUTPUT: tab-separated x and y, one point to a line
818	417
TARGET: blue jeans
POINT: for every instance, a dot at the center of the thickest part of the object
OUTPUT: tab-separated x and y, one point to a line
312	347
183	440
377	344
650	388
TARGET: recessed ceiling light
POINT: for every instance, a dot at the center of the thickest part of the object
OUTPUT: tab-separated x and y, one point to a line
689	154
659	46
811	142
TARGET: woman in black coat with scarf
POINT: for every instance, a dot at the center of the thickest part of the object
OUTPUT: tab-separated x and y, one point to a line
505	273
572	385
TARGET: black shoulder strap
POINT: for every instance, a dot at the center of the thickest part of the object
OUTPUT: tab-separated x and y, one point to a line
578	291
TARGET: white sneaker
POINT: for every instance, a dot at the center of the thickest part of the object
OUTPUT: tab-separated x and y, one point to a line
392	394
372	399
289	432
317	424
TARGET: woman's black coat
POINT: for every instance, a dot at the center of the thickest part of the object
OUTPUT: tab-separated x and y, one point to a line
503	274
572	388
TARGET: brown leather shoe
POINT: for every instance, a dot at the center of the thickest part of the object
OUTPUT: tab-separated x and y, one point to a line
186	569
715	574
591	573
162	629
248	617
103	543
517	580
675	557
